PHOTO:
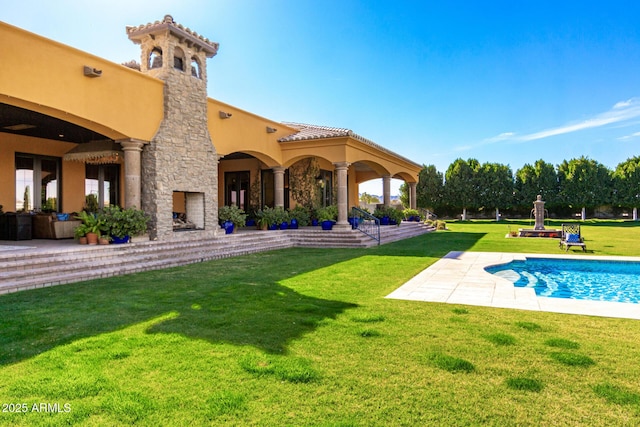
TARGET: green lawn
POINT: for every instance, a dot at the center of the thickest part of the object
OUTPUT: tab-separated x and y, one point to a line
305	337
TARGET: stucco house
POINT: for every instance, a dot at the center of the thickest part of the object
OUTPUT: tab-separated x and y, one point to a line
73	124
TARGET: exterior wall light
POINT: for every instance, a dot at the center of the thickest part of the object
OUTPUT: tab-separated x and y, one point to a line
92	72
224	115
271	130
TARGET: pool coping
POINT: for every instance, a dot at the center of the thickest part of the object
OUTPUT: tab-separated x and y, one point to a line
460	278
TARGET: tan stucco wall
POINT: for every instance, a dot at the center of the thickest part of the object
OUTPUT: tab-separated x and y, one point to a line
45	76
245	132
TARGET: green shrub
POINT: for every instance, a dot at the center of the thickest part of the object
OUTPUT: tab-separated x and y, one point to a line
233	214
300	214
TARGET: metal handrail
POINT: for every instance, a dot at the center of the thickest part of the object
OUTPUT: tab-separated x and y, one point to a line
366	223
427	214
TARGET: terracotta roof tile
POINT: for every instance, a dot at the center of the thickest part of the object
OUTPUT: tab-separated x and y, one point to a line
310	132
211	48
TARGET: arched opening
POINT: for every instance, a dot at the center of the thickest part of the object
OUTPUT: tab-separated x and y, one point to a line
195	68
155	58
178	59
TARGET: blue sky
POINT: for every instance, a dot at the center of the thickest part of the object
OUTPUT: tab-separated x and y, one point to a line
499	81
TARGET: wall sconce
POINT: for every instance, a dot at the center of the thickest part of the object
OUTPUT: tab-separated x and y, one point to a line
224	115
271	130
92	72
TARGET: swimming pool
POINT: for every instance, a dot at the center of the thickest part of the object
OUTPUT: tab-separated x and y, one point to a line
595	280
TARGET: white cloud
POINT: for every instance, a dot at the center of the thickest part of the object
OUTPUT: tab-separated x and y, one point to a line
628	137
621	111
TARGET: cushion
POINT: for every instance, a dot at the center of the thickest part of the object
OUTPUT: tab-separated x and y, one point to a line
573	238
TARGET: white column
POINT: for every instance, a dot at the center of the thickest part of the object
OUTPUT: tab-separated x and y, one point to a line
413	202
343	196
278	178
132	172
386	190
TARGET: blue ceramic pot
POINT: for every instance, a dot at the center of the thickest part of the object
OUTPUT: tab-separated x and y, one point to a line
327	225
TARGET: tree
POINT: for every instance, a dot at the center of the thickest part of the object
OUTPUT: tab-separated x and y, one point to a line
584	183
626	184
302	181
495	184
461	185
404	194
539	179
430	188
368	199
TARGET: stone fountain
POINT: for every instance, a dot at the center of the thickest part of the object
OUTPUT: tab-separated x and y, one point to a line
539	230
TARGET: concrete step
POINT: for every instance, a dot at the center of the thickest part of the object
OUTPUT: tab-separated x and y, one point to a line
22	270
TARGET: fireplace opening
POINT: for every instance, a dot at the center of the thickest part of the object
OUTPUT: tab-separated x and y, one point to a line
188	211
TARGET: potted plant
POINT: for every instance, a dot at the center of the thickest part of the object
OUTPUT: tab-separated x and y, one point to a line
80	233
388	215
411	215
263	218
94	225
281	218
327	216
122	224
299	217
231	217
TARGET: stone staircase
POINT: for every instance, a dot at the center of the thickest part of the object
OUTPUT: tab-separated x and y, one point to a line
29	269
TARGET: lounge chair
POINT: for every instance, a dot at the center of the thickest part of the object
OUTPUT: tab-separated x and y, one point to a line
571	237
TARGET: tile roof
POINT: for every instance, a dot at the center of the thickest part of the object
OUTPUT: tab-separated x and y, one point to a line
309	132
211	48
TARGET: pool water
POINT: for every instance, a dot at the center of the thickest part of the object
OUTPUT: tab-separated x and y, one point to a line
617	281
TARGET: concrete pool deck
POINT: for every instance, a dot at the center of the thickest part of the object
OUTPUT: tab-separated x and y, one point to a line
460	278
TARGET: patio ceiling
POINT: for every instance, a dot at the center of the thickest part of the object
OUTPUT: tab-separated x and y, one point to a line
19	121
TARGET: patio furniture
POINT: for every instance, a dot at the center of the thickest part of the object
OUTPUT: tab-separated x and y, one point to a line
15	226
47	226
571	237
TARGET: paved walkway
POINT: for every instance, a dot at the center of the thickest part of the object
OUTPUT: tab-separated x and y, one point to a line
460	278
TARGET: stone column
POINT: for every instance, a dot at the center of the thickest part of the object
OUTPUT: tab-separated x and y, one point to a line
278	178
413	202
386	190
343	195
132	172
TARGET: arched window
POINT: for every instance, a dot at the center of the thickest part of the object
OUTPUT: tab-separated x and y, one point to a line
178	59
155	59
195	68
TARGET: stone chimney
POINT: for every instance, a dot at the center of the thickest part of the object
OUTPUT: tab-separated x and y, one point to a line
180	164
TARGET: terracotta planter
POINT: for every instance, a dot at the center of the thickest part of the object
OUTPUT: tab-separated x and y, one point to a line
82	240
103	241
92	238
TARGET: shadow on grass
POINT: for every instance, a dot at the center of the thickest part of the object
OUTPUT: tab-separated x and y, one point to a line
235	300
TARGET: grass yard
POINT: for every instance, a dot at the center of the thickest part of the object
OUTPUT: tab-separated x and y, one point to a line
305	337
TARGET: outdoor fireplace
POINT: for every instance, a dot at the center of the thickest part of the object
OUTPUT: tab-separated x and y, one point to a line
188	211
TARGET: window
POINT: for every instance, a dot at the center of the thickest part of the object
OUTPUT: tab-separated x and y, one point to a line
237	189
325	184
37	183
101	185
